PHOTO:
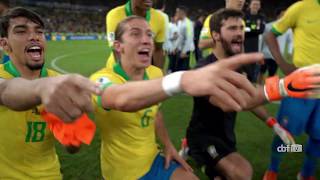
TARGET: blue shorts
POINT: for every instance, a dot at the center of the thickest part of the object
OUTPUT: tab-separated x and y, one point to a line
158	172
300	115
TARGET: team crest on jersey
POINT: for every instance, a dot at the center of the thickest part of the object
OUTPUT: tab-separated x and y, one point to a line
111	36
213	151
102	80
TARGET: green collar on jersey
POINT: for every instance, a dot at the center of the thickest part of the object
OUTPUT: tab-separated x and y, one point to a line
118	69
11	69
128	8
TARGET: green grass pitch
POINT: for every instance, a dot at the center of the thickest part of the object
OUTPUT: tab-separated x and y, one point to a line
253	137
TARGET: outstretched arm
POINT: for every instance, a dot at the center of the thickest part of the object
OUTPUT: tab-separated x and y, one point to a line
215	80
226	88
19	94
67	96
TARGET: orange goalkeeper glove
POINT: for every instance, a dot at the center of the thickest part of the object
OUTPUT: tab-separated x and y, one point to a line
70	134
299	84
284	135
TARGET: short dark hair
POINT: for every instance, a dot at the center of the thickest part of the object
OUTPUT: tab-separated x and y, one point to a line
183	8
223	14
120	29
18	12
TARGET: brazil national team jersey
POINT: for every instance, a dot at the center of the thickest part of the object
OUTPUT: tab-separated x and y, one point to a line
128	139
27	145
304	19
206	34
116	15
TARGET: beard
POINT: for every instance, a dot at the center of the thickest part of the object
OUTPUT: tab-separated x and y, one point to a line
34	67
228	48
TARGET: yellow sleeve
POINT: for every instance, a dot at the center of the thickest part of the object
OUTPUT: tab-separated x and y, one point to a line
154	72
52	73
205	31
111	24
161	35
288	20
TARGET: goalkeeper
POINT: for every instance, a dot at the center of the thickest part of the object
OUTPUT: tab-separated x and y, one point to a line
210	135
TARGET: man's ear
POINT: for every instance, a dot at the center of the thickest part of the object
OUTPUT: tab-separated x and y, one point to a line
117	47
215	36
4	44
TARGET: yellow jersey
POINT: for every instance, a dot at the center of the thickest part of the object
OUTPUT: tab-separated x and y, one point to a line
304	19
206	34
116	15
27	148
128	146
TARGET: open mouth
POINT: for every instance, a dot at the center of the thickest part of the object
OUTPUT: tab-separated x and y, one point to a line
34	51
237	44
144	53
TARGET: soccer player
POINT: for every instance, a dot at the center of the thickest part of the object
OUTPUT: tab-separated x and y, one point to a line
206	42
27	146
210	135
128	138
141	8
303	17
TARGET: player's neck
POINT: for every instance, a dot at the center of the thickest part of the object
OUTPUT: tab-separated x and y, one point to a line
137	11
219	52
25	72
135	74
229	6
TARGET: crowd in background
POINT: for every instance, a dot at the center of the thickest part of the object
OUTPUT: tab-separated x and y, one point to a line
62	17
60	21
66	18
67	21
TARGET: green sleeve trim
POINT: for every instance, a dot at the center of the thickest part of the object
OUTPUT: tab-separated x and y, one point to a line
103	87
99	99
275	32
204	37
